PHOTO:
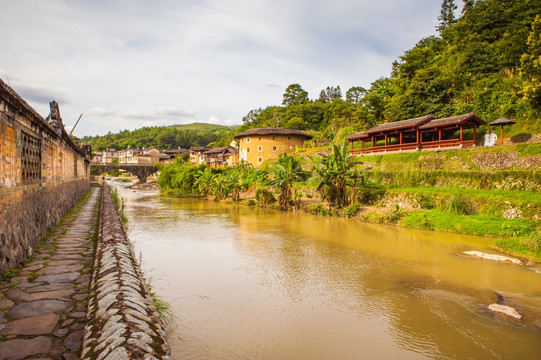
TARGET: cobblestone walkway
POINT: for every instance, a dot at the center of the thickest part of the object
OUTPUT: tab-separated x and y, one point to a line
43	309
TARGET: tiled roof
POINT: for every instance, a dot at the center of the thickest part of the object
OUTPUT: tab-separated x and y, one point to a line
400	124
502	121
452	120
200	148
272	131
223	149
357	135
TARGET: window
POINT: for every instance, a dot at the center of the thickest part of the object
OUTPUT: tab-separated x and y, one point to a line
260	138
247	149
260	160
274	148
248	140
289	137
30	157
260	148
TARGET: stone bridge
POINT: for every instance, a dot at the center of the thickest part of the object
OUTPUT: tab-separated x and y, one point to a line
141	171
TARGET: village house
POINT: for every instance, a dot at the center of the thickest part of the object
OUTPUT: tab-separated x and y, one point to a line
221	157
96	158
196	154
168	156
134	156
109	156
424	132
261	144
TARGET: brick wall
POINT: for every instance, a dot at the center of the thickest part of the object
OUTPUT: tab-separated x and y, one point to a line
43	173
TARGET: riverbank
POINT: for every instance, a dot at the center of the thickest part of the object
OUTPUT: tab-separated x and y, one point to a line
294	285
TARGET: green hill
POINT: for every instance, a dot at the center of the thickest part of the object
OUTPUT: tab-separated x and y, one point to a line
485	60
164	137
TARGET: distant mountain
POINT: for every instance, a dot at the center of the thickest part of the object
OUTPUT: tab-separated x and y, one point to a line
164	137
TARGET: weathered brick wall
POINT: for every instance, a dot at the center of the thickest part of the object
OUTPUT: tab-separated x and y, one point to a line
43	173
122	321
27	215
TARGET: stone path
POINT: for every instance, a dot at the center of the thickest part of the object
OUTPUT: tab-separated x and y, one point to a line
43	309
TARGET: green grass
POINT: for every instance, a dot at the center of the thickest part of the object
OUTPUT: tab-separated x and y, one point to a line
529	246
481	225
502	195
529	149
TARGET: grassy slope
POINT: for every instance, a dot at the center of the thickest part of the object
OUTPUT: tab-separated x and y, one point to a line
515	236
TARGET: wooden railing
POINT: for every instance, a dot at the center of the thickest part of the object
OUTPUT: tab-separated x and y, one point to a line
413	146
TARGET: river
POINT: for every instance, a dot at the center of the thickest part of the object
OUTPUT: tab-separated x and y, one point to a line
250	283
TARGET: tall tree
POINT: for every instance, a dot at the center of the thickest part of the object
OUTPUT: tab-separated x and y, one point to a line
355	95
468	5
330	94
447	15
531	65
294	95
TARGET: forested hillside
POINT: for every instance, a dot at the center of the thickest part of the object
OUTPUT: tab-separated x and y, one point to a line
487	59
163	137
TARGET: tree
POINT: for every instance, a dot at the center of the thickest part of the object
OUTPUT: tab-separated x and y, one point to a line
468	5
335	174
531	65
330	94
294	95
286	171
355	95
447	15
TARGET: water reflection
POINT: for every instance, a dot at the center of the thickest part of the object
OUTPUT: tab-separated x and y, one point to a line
249	283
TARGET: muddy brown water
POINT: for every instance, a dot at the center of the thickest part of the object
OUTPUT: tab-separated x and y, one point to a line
249	283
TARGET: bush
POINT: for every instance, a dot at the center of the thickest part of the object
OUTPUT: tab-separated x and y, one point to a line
318	209
370	194
263	196
427	201
352	210
458	205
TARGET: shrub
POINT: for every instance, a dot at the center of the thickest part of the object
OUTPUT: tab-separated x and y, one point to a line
427	201
318	209
458	205
352	210
370	194
263	196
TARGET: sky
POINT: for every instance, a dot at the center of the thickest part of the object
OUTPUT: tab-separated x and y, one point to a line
125	64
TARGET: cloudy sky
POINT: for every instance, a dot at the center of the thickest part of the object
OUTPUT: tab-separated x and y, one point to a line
125	64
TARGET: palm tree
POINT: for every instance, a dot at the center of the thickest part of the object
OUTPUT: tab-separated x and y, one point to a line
336	173
286	171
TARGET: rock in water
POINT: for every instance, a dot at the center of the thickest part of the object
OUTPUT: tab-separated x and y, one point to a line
504	309
493	257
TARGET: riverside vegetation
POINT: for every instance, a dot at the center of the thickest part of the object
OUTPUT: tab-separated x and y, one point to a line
460	191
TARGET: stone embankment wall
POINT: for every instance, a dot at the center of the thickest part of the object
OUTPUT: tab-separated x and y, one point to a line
43	173
122	321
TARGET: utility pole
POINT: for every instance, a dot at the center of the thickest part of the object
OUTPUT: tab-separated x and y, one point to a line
80	116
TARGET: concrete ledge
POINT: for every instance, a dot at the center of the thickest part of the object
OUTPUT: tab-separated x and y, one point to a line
122	321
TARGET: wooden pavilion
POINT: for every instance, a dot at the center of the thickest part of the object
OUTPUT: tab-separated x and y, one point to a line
415	134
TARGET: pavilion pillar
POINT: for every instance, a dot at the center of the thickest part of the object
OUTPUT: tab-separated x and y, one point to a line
502	134
474	135
439	135
385	139
401	138
419	139
461	134
372	139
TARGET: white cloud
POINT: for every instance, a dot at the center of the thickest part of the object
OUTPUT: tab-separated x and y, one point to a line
127	63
